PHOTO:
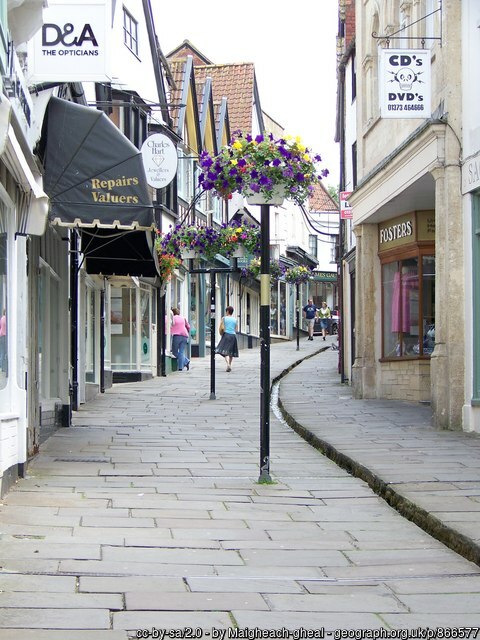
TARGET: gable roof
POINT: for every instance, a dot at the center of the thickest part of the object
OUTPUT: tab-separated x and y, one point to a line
188	49
183	100
235	81
321	200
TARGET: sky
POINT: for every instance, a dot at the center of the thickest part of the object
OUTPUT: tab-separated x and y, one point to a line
293	47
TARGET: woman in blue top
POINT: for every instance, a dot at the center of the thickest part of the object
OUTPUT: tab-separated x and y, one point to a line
228	347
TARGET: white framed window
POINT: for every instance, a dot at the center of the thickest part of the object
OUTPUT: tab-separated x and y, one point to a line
185	175
130	32
216	208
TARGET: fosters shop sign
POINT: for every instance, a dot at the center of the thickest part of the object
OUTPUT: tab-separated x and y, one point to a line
72	45
404	83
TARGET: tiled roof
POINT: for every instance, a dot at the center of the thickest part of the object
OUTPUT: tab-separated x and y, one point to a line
177	68
321	200
236	82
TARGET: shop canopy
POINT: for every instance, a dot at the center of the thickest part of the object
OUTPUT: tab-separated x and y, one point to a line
94	175
95	180
119	253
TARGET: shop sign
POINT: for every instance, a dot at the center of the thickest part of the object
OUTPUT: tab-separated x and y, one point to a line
325	276
396	233
73	43
426	226
346	212
405	83
417	226
159	156
471	174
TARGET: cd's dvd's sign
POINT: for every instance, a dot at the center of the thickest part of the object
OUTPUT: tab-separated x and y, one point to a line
72	44
405	83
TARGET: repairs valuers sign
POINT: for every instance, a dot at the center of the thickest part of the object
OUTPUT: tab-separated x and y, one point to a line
404	83
73	43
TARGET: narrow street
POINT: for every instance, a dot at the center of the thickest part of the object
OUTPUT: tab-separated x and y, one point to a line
147	516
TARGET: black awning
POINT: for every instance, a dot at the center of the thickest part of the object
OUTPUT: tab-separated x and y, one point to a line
94	175
113	252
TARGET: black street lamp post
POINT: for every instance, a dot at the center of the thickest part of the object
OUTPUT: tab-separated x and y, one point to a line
265	344
213	285
297	307
213	272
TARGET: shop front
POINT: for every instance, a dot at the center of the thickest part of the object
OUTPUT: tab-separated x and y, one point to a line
95	179
405	327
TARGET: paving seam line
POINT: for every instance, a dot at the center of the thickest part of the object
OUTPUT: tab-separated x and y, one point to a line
449	536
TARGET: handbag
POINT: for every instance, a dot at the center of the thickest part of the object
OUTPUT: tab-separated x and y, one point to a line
221	328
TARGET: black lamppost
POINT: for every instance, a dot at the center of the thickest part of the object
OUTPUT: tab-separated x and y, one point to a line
297	308
213	272
265	344
213	284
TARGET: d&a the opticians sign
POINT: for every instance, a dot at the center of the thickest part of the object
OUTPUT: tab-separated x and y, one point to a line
73	43
405	83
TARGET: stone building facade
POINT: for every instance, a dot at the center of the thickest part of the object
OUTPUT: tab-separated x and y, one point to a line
407	211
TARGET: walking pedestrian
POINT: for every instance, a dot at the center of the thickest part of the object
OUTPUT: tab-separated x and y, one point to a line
309	313
180	331
228	347
324	314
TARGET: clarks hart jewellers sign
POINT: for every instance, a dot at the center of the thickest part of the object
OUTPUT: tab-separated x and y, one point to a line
73	43
159	156
404	83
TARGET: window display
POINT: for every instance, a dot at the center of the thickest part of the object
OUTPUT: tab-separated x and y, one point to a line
408	299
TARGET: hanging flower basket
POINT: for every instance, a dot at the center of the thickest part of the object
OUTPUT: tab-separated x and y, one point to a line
298	274
239	240
194	241
167	263
277	270
188	254
239	252
276	199
257	166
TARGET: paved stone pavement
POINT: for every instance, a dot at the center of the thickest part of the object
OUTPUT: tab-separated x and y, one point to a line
147	516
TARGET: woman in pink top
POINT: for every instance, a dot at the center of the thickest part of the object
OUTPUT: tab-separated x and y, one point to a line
180	330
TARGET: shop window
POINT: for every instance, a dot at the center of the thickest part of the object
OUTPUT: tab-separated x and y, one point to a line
282	310
130	32
193	315
274	311
90	335
146	324
49	332
408	313
123	329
